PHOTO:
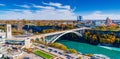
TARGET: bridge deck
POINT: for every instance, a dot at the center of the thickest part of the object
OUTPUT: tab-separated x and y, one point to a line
48	34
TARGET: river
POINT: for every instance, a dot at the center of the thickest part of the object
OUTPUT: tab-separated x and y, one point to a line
113	53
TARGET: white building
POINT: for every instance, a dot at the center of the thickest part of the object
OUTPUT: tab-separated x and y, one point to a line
2	34
8	31
7	34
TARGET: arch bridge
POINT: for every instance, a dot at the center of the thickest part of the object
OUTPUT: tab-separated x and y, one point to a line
52	37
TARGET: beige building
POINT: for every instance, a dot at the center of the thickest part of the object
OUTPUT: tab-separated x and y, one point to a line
28	43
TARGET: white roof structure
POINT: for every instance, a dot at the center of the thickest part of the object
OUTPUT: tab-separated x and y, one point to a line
1	55
100	56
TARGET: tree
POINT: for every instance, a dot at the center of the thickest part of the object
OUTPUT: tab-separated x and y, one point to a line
107	39
70	26
51	30
37	33
59	46
89	55
117	42
3	27
62	26
24	22
37	40
62	47
72	51
30	30
40	24
94	39
43	31
32	40
86	34
79	57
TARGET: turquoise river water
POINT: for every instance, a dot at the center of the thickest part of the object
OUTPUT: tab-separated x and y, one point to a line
113	53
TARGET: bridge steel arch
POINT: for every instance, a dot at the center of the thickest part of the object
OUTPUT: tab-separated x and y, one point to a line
77	33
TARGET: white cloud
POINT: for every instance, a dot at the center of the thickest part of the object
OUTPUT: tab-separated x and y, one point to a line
98	15
24	6
39	15
2	4
97	12
57	5
43	7
43	13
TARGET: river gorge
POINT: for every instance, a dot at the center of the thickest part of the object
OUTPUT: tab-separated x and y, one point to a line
85	48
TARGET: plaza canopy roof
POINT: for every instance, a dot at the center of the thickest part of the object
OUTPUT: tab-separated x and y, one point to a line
1	55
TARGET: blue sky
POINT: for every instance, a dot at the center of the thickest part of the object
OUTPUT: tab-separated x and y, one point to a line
59	9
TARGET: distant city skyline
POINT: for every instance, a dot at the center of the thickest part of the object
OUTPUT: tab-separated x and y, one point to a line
59	9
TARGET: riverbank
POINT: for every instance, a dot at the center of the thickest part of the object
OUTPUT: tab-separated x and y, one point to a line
62	54
108	38
87	48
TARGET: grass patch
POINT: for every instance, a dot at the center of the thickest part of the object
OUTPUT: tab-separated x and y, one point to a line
42	54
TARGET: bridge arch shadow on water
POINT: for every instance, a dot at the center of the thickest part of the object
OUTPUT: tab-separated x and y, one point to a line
73	36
